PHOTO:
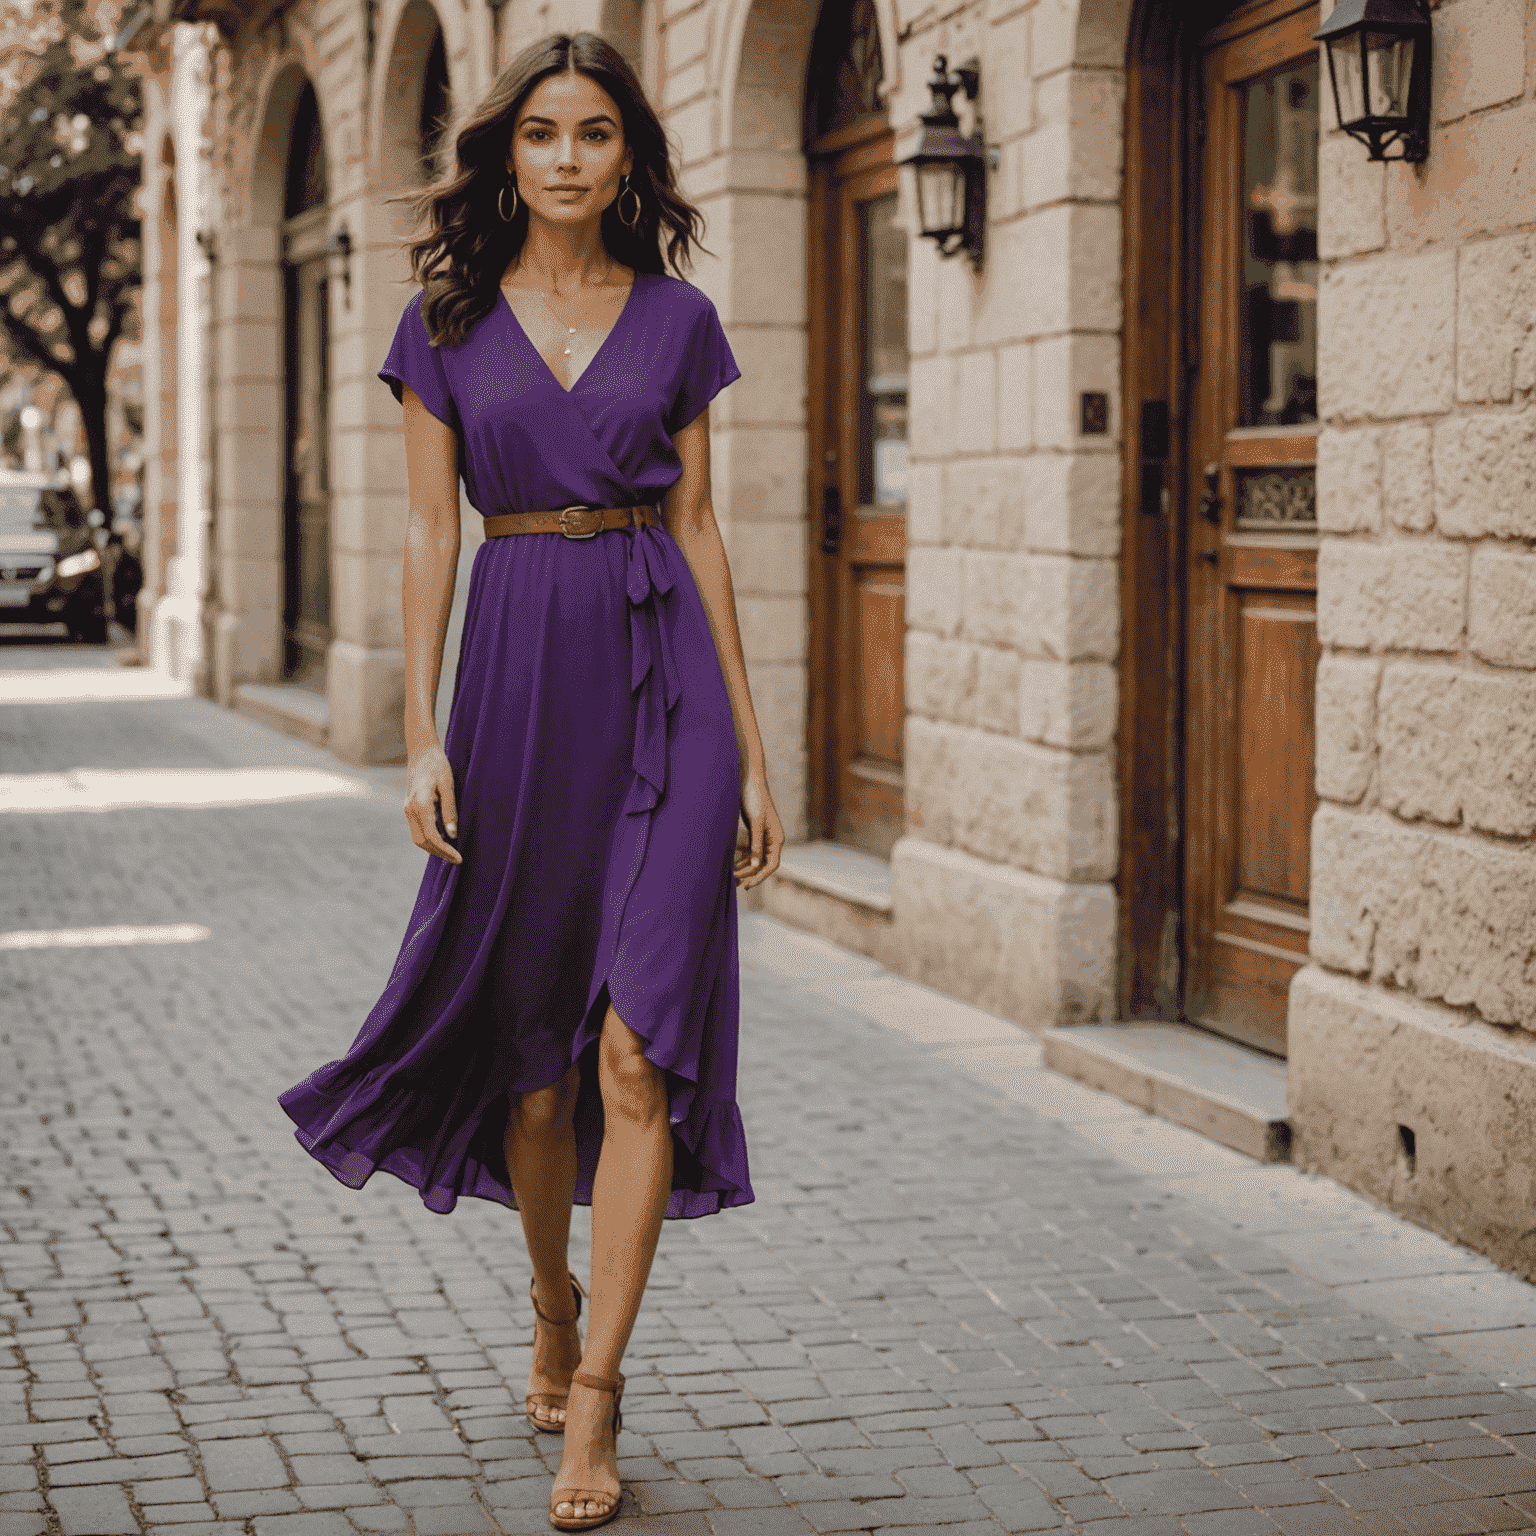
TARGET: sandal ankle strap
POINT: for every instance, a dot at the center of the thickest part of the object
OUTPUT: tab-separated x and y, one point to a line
557	1322
601	1383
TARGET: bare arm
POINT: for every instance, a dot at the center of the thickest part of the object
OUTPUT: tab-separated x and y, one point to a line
431	563
689	514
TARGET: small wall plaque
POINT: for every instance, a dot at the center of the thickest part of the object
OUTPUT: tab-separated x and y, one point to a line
1095	413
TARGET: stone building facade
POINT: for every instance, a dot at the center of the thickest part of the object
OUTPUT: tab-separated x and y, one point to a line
1042	708
1413	1062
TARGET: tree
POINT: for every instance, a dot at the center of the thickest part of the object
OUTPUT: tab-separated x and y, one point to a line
70	123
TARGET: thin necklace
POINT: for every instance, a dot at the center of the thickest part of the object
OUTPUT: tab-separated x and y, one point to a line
570	330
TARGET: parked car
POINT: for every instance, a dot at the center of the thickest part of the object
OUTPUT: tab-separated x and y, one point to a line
50	567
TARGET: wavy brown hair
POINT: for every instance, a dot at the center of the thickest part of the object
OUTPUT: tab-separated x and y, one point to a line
465	247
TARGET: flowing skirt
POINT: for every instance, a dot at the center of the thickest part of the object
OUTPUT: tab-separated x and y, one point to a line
597	775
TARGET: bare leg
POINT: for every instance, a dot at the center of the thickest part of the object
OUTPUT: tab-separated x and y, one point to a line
540	1148
629	1195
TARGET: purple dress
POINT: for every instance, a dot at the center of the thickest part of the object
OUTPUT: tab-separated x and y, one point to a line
595	764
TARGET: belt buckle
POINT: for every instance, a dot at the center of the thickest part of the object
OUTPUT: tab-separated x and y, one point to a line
579	506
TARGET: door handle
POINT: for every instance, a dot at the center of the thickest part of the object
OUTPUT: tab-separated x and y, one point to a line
1210	501
831	520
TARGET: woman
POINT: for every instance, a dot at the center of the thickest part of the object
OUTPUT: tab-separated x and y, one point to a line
561	1021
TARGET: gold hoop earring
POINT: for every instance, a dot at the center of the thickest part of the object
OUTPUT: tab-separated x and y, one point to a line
500	203
628	223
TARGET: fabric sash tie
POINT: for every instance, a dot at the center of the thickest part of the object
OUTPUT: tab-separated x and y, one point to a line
653	672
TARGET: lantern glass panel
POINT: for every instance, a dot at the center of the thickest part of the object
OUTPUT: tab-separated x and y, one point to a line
1389	67
1348	63
940	196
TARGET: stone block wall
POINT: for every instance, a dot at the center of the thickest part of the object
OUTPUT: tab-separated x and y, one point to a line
1002	883
1423	859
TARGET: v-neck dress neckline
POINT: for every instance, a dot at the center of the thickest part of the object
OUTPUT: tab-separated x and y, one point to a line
570	389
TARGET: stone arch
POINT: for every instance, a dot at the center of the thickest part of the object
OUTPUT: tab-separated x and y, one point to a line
766	98
269	161
747	27
418	50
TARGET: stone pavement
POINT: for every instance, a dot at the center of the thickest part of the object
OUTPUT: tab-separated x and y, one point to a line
969	1296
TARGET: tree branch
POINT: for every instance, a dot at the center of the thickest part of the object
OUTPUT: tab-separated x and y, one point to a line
93	247
27	341
47	273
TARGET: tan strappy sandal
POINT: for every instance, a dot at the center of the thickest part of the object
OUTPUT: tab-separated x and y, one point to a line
575	1496
551	1399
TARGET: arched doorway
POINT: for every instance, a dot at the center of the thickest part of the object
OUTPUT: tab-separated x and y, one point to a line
415	106
1219	562
858	438
307	504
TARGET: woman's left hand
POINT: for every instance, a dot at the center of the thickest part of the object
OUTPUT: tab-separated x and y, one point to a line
756	861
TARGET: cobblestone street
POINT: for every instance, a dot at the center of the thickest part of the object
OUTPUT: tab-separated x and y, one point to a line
970	1294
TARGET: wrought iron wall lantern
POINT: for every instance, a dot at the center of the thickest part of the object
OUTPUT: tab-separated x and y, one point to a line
950	168
341	245
1378	62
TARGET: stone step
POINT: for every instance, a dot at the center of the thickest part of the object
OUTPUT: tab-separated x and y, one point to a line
286	707
1196	1079
835	869
841	893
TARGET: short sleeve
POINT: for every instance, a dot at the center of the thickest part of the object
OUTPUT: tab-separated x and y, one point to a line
708	366
413	361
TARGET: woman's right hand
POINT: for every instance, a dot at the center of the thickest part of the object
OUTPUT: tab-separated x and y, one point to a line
428	785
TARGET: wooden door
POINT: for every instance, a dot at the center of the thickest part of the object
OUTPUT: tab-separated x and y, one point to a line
1251	640
859	489
307	509
307	368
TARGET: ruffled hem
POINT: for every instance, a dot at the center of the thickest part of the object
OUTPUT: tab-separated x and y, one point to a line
705	1147
715	1140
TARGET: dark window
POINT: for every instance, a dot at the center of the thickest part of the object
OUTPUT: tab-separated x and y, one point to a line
846	70
1280	271
434	106
306	157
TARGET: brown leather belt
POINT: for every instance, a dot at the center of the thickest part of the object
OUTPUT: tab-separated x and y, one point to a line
574	522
